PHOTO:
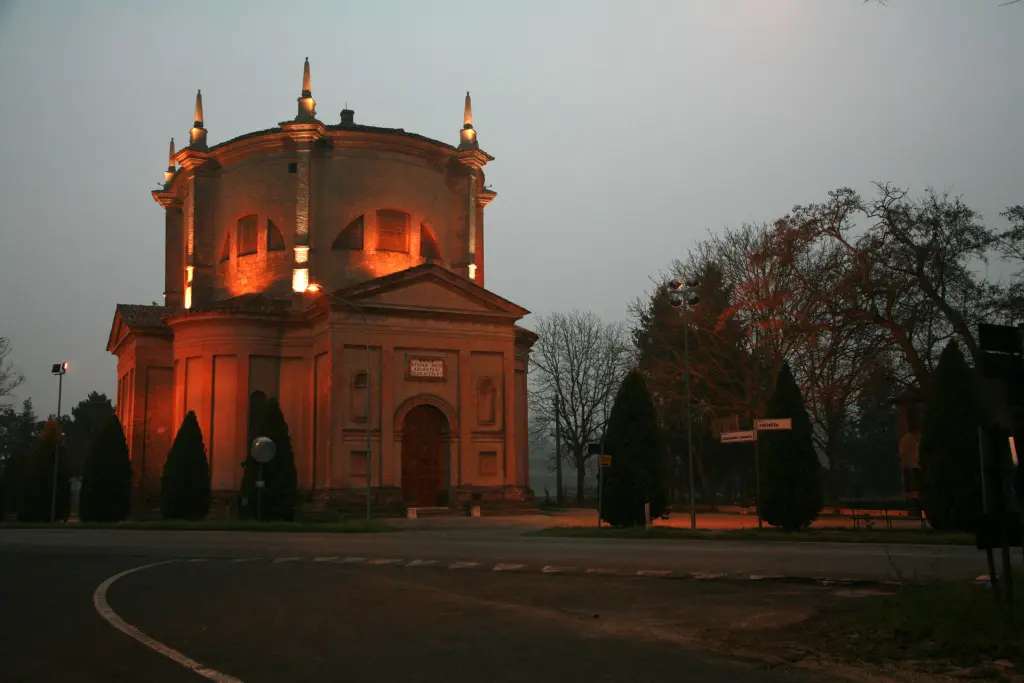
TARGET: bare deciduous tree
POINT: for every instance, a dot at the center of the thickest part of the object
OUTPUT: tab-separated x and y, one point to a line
9	378
581	360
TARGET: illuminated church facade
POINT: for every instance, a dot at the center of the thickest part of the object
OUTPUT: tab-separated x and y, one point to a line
339	268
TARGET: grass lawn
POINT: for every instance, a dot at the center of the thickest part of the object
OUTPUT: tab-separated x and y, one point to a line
342	527
940	627
821	535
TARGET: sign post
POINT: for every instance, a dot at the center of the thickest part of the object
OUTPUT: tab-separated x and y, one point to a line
263	451
760	425
603	461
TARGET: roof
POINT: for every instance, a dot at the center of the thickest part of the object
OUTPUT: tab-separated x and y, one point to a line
245	303
354	127
136	318
135	315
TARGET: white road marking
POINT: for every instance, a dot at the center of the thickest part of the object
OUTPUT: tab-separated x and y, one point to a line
463	565
982	578
279	560
508	567
549	569
99	601
702	576
353	560
385	560
654	572
325	559
598	570
244	559
421	563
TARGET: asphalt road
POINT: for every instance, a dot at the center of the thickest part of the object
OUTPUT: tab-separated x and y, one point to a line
741	558
303	620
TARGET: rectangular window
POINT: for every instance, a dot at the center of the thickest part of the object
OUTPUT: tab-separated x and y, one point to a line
248	235
357	464
392	231
488	463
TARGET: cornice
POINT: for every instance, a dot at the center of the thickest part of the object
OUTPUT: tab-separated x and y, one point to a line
190	158
304	131
166	198
485	197
473	158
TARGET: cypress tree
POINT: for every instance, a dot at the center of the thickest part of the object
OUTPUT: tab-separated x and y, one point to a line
638	470
36	494
279	475
948	453
185	483
791	496
106	494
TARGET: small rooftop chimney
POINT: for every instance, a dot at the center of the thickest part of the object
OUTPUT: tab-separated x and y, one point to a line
348	117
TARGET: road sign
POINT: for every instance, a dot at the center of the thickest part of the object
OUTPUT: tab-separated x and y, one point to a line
772	424
606	461
733	437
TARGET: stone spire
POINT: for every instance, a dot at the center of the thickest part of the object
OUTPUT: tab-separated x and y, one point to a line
197	136
307	105
169	173
467	136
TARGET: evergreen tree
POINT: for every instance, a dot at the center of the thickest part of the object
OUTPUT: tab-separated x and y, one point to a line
950	477
638	472
791	495
185	483
278	498
36	494
106	494
83	427
21	433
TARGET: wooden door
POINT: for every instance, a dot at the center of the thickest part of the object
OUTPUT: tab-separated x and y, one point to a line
423	441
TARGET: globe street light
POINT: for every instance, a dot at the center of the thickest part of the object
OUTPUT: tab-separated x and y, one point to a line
317	289
681	296
58	369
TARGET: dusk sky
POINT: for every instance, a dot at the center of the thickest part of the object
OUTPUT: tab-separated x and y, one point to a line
623	131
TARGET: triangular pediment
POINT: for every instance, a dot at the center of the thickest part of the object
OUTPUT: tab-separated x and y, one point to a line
129	318
431	288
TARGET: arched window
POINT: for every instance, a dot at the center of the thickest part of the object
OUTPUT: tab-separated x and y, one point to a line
225	251
248	235
358	397
351	237
485	401
428	247
275	240
392	231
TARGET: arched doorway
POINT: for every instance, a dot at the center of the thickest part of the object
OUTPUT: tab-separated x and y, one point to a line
424	457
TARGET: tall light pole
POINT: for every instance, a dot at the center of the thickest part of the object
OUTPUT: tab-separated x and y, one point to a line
58	369
315	288
681	297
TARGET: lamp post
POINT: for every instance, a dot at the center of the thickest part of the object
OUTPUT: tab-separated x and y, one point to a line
681	296
58	369
315	288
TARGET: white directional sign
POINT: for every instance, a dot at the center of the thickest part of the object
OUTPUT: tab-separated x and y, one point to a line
770	424
733	437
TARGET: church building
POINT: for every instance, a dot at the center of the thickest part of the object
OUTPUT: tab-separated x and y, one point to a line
340	269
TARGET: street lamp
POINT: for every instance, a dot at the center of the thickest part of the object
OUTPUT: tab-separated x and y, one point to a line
681	296
317	289
58	369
